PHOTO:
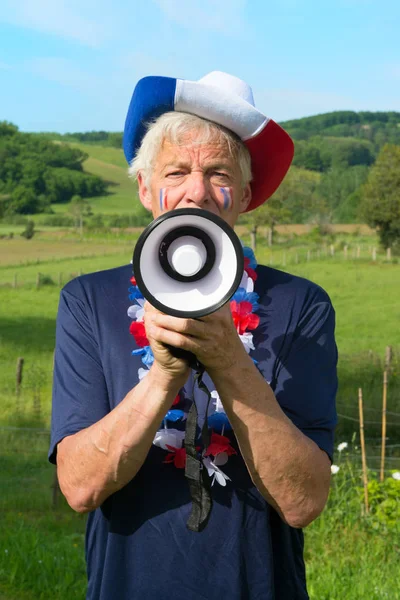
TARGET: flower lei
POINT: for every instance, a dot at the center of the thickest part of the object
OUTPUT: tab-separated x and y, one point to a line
243	305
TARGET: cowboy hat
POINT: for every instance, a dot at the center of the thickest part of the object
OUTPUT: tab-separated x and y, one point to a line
226	100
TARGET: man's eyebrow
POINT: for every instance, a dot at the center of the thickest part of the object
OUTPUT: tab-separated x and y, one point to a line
179	163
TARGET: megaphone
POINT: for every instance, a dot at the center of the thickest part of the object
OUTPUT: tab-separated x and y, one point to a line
188	263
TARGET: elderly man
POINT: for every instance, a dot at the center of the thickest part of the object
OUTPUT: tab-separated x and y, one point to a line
270	358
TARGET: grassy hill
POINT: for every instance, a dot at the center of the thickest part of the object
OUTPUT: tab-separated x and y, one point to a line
110	164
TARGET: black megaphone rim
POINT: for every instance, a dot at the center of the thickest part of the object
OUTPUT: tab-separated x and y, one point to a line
184	212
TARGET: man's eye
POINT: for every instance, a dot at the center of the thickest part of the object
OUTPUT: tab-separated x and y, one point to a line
220	175
174	173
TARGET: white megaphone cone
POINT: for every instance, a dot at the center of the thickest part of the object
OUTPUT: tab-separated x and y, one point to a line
188	263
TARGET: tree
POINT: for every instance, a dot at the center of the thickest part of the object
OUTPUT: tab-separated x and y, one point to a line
337	187
29	230
79	208
380	205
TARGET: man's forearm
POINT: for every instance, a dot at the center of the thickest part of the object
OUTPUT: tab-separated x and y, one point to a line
289	469
96	462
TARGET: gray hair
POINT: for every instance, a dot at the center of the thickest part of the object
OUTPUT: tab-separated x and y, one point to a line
175	126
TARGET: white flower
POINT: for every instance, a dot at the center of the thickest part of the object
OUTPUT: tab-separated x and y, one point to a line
218	404
170	437
136	311
247	283
334	469
214	471
396	475
342	446
247	341
142	373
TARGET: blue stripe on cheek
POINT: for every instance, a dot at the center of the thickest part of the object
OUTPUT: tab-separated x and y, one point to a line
227	198
161	198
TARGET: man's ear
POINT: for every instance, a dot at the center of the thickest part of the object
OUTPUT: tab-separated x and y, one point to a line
144	191
246	198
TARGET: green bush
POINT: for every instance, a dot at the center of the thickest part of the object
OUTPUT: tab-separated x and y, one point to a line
29	230
384	502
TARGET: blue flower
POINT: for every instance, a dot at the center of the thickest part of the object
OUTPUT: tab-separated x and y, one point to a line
218	420
248	253
174	415
147	355
241	295
134	293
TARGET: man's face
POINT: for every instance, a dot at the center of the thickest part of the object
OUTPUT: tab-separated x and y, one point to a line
196	175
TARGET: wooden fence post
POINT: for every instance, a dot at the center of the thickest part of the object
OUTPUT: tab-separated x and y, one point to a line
374	254
388	357
363	455
389	254
18	377
55	490
253	238
383	446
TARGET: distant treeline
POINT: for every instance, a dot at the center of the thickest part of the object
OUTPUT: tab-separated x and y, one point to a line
377	127
35	173
342	139
102	138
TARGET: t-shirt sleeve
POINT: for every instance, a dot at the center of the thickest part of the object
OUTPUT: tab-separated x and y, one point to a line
79	390
306	379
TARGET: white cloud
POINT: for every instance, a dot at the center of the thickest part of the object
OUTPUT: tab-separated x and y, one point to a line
225	16
66	18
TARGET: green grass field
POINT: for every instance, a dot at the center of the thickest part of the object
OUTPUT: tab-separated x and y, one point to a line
41	545
349	556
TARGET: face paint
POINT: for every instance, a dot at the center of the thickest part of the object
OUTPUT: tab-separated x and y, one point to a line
163	199
226	193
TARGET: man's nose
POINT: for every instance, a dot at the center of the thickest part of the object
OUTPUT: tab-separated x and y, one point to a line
197	190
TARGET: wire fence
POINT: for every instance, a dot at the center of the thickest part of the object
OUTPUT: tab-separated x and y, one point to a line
51	274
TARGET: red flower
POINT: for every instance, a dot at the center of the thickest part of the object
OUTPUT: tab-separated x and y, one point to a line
243	317
177	456
218	444
138	331
133	281
250	272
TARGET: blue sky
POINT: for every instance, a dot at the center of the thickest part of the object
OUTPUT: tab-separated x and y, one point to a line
71	65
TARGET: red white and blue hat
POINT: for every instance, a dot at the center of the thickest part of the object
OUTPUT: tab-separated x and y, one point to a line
226	100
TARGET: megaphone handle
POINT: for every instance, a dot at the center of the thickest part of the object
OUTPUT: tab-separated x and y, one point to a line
190	358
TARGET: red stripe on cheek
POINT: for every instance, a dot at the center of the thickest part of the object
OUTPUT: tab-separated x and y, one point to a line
165	200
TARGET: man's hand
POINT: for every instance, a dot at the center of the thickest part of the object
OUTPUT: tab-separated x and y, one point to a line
213	339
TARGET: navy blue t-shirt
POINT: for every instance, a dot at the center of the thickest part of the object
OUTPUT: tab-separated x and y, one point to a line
138	546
